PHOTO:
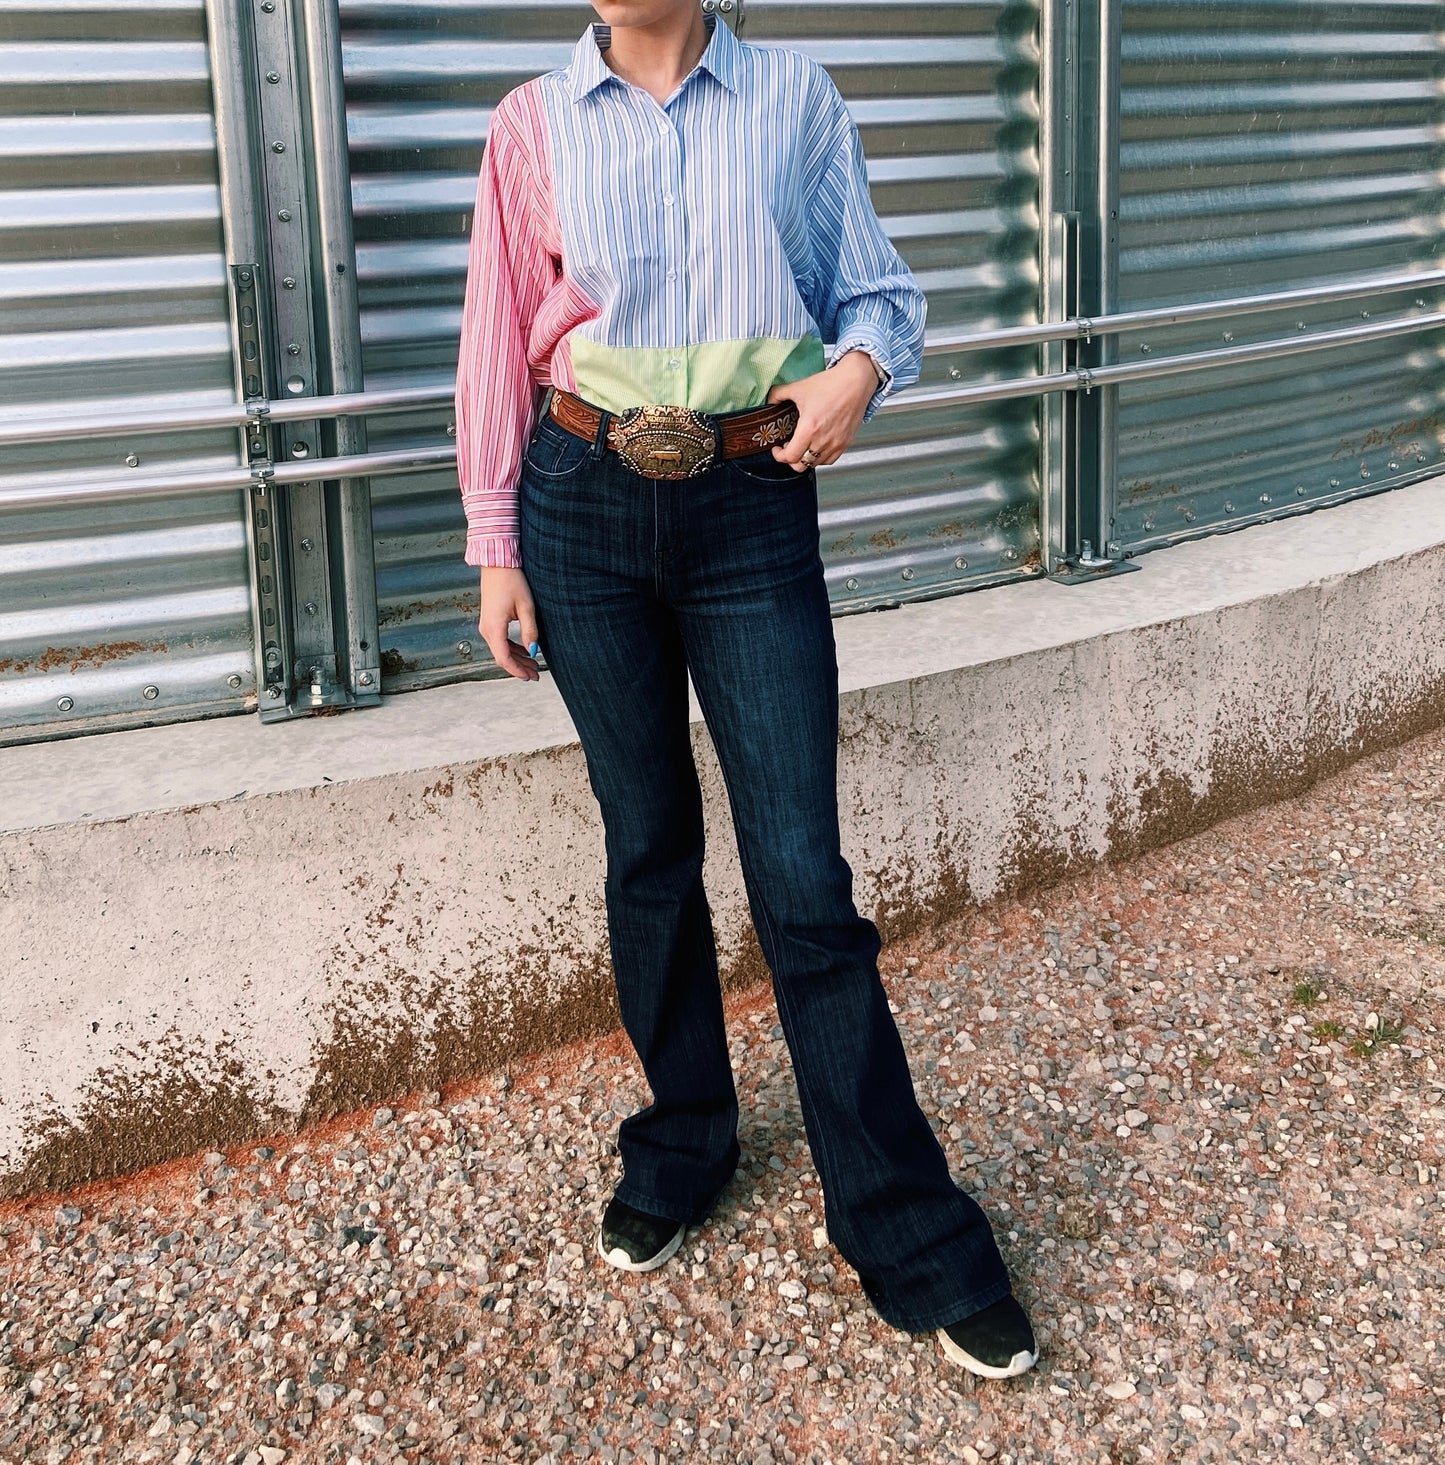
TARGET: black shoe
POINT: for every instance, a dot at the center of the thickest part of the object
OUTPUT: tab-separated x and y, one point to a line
635	1241
996	1343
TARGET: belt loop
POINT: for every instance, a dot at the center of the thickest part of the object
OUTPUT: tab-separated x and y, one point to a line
599	442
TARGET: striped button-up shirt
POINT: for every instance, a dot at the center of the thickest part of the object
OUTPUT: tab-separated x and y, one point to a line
695	251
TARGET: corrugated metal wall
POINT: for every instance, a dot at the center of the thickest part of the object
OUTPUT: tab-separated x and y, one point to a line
946	96
1265	146
113	297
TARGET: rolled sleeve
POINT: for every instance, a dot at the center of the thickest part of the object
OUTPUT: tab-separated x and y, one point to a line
864	294
497	397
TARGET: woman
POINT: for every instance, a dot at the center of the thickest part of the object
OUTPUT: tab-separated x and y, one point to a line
667	229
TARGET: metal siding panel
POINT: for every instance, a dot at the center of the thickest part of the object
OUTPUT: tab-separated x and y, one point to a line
1270	146
946	96
113	296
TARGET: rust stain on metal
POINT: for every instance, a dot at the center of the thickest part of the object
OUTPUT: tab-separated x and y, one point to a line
886	539
467	603
1393	438
949	529
76	657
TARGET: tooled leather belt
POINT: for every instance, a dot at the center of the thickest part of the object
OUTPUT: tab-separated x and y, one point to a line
660	440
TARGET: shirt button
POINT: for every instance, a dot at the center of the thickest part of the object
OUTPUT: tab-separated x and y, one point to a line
673	361
667	198
672	274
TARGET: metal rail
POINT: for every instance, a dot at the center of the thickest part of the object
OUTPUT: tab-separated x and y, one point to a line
1082	328
421	460
50	428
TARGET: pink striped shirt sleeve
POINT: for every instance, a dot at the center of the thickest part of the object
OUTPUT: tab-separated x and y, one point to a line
509	272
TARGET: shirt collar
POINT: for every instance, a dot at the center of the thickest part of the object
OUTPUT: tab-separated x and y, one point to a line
588	70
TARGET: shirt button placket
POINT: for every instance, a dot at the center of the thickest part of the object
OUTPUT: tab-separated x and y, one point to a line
671	201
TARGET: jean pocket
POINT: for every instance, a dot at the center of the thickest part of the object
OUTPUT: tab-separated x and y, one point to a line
762	467
553	452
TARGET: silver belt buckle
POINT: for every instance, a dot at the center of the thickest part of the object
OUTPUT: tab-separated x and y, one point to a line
660	440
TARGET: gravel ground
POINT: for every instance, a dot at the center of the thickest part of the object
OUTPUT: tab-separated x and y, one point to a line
1200	1096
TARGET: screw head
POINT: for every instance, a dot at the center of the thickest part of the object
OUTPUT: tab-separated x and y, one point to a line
1299	490
306	545
268	6
278	147
289	282
464	648
273	691
1189	516
851	583
960	563
150	693
310	607
1264	498
233	681
906	572
365	679
1229	506
131	461
1229	335
274	77
65	703
284	215
1148	523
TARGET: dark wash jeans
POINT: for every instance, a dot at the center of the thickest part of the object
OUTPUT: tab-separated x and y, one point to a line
636	581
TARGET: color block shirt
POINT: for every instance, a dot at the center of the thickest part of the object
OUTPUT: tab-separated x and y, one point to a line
696	251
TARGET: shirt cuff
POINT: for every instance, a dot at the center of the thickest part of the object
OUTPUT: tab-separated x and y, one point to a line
494	549
876	344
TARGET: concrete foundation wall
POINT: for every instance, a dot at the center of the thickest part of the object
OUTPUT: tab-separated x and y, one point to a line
218	930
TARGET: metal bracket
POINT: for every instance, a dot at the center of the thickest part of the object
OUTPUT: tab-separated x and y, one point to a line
258	436
1086	566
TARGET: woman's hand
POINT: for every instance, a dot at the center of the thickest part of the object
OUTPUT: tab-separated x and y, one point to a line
831	404
506	597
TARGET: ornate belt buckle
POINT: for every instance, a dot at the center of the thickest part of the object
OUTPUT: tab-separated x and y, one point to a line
660	440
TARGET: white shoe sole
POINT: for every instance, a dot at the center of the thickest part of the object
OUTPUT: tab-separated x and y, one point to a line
1020	1363
620	1259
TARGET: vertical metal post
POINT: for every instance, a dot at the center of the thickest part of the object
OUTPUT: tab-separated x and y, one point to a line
238	151
286	204
339	346
1059	246
1098	202
1079	143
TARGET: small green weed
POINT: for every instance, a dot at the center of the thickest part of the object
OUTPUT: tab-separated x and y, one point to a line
1375	1036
